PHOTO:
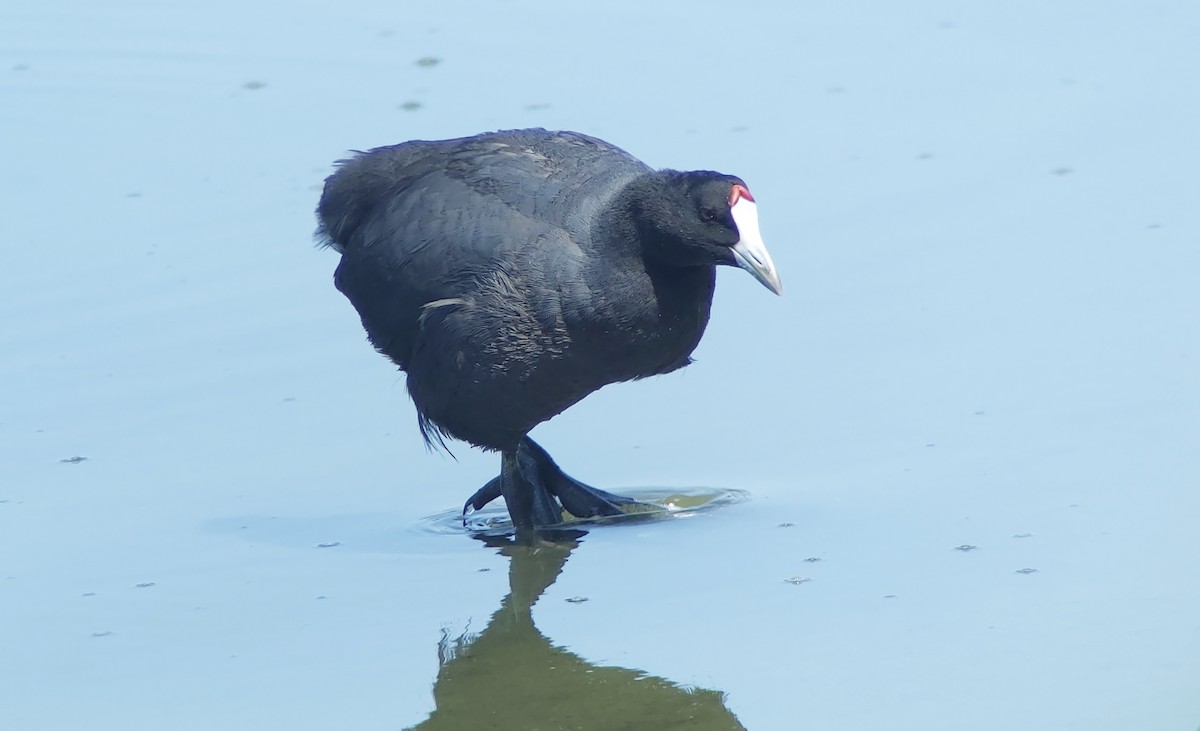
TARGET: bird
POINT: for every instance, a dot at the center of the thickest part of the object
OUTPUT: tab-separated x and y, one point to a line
510	274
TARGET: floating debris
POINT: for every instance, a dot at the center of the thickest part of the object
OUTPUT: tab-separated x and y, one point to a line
483	569
410	106
89	593
73	460
144	585
254	85
576	599
812	559
331	544
1026	571
1022	535
105	633
965	547
428	61
889	596
797	580
787	525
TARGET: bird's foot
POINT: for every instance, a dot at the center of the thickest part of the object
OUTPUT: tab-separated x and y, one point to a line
538	492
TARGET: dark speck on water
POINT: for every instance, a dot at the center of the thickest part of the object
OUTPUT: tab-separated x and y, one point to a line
428	61
101	634
786	525
965	547
812	559
331	544
410	106
1026	571
73	460
144	585
253	85
797	580
1022	535
577	599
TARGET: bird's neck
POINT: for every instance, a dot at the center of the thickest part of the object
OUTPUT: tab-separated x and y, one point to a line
623	228
616	225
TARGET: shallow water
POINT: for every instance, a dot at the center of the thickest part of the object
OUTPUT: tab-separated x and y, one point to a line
967	431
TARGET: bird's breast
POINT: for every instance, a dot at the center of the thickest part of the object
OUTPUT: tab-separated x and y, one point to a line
648	330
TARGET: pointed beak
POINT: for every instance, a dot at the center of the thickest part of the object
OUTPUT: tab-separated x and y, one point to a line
750	251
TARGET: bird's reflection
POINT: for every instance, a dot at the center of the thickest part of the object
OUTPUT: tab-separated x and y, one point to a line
510	676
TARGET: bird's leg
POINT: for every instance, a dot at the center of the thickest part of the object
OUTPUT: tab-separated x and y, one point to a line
528	501
580	500
533	485
530	505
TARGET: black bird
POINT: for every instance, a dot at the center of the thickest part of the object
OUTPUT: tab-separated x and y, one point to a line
512	273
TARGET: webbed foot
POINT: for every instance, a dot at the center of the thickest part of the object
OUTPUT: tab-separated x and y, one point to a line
537	491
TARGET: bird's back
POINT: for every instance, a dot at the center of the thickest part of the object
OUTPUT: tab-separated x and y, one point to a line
556	178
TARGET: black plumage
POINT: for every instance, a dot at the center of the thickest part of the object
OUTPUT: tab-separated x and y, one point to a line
510	274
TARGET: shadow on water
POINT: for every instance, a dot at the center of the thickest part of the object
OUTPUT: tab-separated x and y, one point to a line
510	676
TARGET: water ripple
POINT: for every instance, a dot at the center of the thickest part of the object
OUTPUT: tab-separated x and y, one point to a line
664	504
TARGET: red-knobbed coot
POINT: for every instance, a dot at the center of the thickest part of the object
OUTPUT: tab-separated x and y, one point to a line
512	273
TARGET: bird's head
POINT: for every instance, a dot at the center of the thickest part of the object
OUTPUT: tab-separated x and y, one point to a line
706	218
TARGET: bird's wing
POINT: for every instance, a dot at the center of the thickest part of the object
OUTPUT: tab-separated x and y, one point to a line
426	222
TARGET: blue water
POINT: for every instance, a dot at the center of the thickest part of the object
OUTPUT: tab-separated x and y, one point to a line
985	220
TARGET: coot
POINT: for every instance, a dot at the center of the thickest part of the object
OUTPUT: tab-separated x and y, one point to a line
512	273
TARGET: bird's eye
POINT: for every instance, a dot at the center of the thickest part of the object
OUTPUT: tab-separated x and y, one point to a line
708	214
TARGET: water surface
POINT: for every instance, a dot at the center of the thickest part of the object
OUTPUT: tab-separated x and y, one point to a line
968	430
